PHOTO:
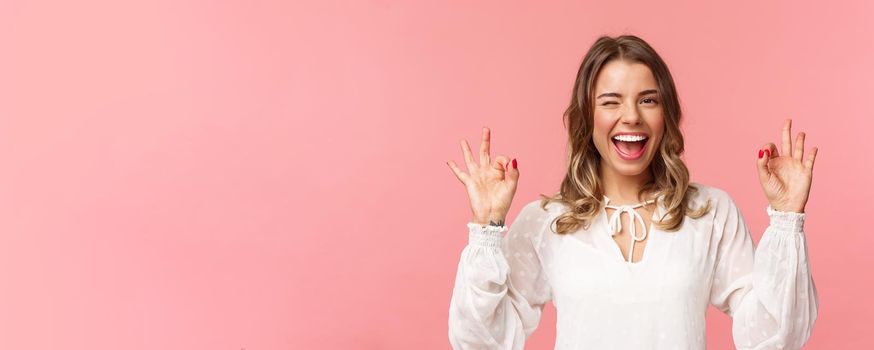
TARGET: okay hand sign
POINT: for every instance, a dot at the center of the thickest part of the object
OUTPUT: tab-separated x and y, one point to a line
786	179
490	185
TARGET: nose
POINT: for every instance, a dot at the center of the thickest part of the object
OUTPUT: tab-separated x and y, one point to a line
630	115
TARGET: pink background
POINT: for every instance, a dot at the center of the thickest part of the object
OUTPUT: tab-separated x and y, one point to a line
266	175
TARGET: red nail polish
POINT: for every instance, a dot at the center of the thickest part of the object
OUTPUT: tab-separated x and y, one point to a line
768	153
760	154
514	163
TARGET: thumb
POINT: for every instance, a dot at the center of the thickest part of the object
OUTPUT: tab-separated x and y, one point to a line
762	165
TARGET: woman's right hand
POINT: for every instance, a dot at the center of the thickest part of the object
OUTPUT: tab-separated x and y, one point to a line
490	184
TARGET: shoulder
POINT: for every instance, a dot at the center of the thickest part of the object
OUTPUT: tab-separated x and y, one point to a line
535	208
536	218
722	204
715	194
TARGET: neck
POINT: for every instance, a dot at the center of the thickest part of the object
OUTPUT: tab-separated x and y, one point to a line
623	189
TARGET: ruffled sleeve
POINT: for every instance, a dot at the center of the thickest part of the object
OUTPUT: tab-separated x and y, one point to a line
767	290
500	286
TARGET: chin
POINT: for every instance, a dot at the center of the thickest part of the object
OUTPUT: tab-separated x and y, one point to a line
631	169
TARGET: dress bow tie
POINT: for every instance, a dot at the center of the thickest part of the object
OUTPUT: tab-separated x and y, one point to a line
615	222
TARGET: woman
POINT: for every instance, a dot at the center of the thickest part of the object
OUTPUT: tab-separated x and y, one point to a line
643	279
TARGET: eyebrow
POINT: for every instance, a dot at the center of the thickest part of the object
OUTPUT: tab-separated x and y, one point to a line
616	94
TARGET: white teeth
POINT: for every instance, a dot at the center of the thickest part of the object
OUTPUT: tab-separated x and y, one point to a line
629	138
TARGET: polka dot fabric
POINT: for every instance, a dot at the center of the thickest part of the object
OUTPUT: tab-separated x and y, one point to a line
605	302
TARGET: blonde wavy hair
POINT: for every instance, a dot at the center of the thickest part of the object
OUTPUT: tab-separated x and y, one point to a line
581	190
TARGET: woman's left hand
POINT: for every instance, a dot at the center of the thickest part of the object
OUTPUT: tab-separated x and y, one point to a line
786	179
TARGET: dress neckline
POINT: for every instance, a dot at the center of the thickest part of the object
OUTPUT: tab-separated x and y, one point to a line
614	226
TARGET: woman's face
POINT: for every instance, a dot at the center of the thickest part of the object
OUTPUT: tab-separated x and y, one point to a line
627	102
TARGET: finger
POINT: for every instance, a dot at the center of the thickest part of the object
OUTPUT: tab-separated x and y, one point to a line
484	158
811	157
799	147
501	163
768	152
460	175
513	172
772	148
787	137
762	166
468	157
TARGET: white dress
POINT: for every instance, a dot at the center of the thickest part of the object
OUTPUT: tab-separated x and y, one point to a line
605	302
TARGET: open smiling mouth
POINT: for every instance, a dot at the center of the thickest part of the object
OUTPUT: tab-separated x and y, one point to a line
630	148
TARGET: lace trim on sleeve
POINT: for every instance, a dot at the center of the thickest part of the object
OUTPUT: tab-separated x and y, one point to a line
786	220
485	236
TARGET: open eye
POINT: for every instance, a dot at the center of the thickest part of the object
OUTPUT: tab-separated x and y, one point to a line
651	99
